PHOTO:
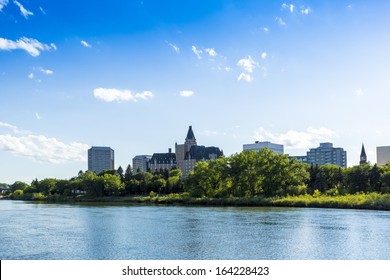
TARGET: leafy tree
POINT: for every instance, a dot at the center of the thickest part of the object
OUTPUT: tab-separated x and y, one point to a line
112	184
18	185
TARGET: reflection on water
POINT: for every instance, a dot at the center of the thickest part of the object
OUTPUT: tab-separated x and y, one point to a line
53	231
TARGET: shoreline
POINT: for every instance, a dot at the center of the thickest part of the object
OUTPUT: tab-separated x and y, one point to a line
369	201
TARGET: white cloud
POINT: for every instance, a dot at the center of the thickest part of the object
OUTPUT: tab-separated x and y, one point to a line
228	69
246	77
85	44
23	11
197	52
174	47
39	147
359	92
297	139
248	64
13	128
211	52
44	149
3	3
265	29
46	71
42	10
280	21
31	76
288	7
263	55
37	116
186	93
305	11
112	94
32	46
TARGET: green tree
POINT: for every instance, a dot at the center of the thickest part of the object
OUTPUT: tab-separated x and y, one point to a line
113	184
128	173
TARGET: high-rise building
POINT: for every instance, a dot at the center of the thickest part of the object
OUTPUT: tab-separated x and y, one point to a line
383	155
257	146
326	154
141	163
100	158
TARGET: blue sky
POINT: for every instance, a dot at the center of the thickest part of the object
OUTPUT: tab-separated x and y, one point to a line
134	75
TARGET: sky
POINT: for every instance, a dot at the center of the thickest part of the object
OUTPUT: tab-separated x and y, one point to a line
134	75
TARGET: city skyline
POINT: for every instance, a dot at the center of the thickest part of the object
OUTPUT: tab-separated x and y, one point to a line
133	75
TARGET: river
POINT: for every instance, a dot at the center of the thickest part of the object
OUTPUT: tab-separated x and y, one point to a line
94	231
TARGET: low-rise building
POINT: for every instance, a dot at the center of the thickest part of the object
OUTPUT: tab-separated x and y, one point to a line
257	146
162	161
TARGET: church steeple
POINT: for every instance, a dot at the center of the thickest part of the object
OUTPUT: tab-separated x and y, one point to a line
363	156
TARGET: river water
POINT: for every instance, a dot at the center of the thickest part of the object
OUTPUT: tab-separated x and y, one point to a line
94	231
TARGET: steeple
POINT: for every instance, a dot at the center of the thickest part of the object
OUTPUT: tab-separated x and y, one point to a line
190	140
363	156
190	134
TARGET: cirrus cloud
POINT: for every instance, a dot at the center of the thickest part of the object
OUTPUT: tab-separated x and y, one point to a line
23	10
113	94
32	46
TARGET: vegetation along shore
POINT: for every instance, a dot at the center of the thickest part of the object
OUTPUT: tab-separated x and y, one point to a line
246	179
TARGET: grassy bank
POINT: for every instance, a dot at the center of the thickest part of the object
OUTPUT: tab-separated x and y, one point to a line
373	201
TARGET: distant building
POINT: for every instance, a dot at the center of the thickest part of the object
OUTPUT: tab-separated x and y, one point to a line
100	158
326	154
299	158
257	146
383	155
164	161
189	153
363	156
141	163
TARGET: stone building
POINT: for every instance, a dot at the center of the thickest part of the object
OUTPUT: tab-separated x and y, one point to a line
189	153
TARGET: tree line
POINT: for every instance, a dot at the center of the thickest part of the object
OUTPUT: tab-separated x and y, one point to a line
246	174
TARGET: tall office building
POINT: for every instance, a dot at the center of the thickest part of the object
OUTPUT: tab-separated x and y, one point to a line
100	158
326	154
141	163
382	155
257	146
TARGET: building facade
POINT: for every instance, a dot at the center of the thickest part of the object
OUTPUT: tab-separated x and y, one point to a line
100	158
383	155
327	154
162	161
257	146
141	163
189	153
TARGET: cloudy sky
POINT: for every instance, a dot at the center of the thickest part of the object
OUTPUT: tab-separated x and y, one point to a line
134	75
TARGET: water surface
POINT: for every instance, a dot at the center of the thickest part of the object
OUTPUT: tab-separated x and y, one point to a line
92	231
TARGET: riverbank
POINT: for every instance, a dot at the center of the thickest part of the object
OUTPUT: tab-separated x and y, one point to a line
371	201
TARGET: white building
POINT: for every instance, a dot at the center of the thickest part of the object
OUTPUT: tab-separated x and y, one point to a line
257	146
141	163
382	155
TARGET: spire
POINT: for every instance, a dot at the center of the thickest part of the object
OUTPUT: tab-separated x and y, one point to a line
363	156
190	134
